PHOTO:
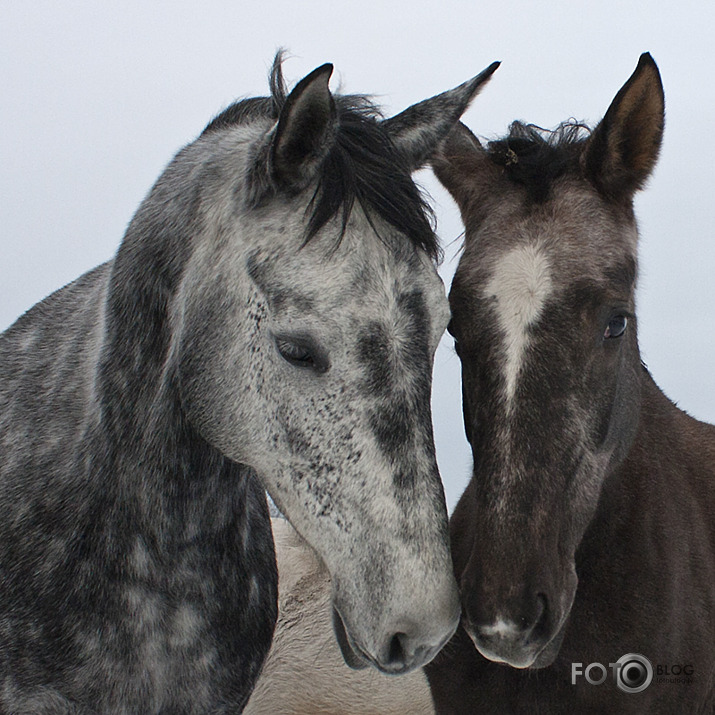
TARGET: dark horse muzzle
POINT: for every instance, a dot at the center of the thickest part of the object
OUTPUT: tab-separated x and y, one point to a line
517	616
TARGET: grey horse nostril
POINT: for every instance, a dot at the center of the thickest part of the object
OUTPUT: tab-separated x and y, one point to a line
402	653
396	653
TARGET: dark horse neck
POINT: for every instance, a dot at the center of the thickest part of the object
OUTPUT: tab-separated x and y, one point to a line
661	499
646	563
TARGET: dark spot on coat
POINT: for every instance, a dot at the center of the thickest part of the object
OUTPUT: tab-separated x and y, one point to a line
392	428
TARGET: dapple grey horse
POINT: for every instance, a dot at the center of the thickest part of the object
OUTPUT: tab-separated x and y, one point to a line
268	322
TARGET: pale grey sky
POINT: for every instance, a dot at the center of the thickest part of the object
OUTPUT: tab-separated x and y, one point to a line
97	97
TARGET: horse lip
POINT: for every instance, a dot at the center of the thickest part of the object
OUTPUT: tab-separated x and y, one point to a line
353	656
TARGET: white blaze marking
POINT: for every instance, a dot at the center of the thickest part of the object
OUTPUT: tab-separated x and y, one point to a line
520	285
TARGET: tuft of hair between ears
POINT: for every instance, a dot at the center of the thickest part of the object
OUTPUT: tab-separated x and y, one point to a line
535	157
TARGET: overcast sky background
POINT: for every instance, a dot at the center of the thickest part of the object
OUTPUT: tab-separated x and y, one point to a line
96	97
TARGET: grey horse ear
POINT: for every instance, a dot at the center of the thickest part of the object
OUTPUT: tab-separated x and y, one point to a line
305	131
623	149
418	130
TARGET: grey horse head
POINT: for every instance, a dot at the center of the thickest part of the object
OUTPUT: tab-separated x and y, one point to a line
304	332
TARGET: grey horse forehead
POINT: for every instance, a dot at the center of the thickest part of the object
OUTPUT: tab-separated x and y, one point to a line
364	265
264	272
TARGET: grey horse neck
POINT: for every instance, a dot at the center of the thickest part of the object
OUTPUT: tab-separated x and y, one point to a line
119	496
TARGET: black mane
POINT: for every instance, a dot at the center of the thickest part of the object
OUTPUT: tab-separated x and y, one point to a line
536	157
363	165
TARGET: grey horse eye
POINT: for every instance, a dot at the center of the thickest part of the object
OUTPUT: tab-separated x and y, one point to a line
616	327
302	352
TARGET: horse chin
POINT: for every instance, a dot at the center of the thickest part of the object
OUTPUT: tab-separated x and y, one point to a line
352	655
521	660
548	654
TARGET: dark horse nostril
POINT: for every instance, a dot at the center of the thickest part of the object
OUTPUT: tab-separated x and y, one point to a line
540	627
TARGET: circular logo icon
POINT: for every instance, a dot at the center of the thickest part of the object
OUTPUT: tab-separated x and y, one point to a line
635	673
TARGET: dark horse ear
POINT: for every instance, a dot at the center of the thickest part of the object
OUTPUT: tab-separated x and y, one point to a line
464	169
623	149
418	130
305	131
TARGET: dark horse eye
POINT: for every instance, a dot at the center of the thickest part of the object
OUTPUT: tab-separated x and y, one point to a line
301	353
616	327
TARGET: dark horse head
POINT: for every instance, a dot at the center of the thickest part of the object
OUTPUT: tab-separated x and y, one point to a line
543	319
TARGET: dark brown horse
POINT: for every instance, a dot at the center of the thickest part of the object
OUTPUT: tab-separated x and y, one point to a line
584	544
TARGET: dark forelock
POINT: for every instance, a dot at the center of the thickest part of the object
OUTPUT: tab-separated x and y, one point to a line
536	157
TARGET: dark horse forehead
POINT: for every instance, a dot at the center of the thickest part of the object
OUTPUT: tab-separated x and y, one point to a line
571	250
551	221
590	260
